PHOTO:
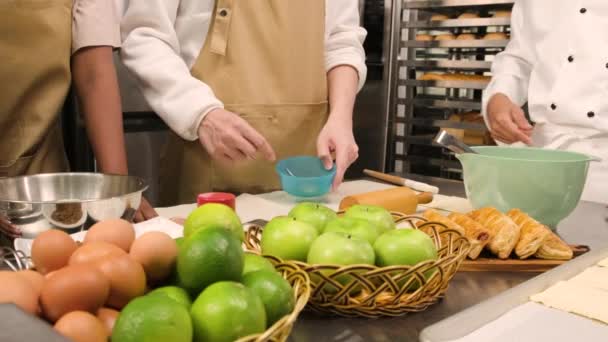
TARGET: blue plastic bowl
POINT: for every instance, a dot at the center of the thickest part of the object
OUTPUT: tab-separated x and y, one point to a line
305	176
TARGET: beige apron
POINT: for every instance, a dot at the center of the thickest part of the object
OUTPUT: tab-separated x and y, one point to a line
265	60
35	73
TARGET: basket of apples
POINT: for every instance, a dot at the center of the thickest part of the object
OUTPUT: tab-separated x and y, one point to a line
365	261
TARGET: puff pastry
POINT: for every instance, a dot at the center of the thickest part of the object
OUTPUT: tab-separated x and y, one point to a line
466	36
554	248
533	233
468	15
475	232
502	14
434	216
439	17
423	37
505	233
496	36
431	77
445	36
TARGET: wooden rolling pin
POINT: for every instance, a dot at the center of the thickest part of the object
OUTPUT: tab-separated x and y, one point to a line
422	187
402	199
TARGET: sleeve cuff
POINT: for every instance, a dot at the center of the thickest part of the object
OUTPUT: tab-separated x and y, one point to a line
191	134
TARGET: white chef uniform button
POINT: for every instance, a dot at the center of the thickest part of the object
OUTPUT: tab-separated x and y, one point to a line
590	114
570	58
553	106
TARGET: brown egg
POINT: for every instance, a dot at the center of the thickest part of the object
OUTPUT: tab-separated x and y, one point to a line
157	253
117	232
127	279
108	317
81	326
51	250
78	287
34	278
93	252
16	289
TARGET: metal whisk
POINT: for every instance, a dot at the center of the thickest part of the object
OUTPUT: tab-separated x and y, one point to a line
15	260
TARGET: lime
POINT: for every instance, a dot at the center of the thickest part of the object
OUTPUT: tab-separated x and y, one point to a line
254	262
227	311
179	241
213	215
176	293
274	291
208	256
151	319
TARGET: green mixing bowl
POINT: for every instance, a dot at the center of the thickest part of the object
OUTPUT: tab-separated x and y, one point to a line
546	184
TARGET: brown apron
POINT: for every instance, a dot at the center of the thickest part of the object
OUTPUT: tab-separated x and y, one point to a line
35	74
265	60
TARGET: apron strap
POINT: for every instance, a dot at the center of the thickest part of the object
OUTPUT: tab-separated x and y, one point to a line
221	26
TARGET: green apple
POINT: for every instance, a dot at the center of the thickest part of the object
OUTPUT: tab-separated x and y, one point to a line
212	215
287	238
359	228
405	247
254	262
313	213
337	248
380	217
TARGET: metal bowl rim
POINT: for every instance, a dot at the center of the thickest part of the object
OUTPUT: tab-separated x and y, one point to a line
142	184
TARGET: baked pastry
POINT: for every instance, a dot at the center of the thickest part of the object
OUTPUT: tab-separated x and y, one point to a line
502	14
439	17
434	216
423	37
475	232
431	77
468	15
504	232
496	36
533	234
466	36
554	248
445	36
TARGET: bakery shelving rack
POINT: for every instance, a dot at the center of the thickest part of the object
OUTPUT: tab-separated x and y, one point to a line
417	108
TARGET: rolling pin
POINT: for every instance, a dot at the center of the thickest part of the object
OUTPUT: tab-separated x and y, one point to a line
402	199
422	187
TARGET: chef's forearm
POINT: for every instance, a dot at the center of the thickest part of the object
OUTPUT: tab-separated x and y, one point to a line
342	85
99	98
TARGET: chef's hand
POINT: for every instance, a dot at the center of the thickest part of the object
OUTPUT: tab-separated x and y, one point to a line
337	136
507	121
145	211
8	229
228	138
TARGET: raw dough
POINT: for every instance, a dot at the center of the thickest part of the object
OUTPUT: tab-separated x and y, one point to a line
577	298
596	277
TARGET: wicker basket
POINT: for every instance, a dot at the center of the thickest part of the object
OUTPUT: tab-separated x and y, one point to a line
371	291
300	283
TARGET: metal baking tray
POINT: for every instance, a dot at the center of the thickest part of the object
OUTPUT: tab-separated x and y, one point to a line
456	44
449	104
473	22
445	124
475	317
451	3
449	64
445	84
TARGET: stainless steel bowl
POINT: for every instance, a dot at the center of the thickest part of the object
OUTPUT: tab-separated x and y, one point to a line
68	201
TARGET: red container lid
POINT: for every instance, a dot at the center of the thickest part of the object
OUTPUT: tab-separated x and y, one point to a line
217	197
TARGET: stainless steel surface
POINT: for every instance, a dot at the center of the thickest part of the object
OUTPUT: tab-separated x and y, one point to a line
473	43
585	226
452	143
446	84
459	23
14	260
451	3
68	201
471	319
418	108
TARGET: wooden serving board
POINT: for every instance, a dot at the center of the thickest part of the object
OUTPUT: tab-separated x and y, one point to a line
489	264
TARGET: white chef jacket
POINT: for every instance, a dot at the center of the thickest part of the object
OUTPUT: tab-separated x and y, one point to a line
162	40
557	62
